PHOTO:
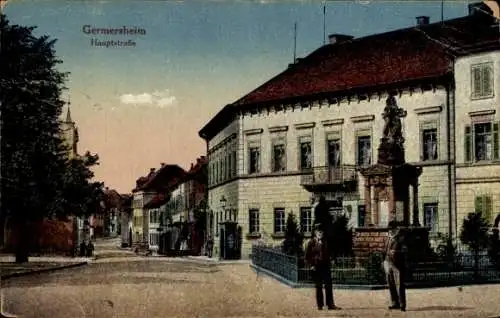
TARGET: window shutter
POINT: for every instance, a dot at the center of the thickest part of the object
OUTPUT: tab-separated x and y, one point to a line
487	208
496	141
487	86
468	144
476	82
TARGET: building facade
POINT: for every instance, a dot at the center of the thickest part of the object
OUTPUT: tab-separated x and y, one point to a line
310	129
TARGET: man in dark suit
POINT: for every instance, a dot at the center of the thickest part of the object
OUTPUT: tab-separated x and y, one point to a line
394	267
318	257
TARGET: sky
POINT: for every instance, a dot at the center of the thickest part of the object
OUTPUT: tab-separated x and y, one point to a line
138	106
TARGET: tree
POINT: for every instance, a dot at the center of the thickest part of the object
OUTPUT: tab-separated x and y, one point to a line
36	172
293	243
474	234
341	240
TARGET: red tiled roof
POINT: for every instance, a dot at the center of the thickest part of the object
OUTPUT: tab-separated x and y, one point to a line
163	179
397	56
157	201
404	55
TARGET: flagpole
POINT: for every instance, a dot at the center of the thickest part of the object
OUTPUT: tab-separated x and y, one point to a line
294	42
442	11
324	23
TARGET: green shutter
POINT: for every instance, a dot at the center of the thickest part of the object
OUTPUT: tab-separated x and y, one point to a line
487	80
476	81
468	144
488	206
478	205
496	142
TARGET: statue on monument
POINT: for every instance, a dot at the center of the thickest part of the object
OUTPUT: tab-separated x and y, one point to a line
391	150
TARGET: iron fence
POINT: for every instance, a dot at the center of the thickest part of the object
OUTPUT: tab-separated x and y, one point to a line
462	269
330	175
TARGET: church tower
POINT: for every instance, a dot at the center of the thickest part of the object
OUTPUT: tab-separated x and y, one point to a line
70	133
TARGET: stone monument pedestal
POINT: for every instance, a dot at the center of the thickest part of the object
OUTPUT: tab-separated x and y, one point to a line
387	194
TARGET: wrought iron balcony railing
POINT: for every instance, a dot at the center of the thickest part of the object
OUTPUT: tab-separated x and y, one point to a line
330	175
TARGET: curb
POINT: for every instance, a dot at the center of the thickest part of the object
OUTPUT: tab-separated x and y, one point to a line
43	270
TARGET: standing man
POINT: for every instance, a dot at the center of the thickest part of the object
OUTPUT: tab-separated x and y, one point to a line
210	246
394	267
318	257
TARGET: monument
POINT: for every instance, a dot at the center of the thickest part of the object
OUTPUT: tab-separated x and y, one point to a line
387	191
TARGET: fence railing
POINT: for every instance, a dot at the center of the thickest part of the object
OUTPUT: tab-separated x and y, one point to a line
369	271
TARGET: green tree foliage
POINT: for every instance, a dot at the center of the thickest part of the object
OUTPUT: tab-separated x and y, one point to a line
341	240
474	234
37	180
293	243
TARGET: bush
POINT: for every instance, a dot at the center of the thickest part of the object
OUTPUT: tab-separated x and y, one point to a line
373	266
494	248
474	234
341	240
293	243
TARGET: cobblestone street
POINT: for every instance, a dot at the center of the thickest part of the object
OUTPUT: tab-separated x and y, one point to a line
162	288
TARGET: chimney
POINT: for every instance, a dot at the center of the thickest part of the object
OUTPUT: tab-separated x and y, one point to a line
152	170
106	188
162	164
422	20
339	38
192	165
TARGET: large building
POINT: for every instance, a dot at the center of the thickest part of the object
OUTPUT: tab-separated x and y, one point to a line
308	130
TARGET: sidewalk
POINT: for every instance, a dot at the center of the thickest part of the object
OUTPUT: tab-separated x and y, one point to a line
10	269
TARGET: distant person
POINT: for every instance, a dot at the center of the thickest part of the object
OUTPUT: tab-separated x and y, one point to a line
210	246
394	267
318	258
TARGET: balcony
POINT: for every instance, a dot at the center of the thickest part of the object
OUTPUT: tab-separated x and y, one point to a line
343	177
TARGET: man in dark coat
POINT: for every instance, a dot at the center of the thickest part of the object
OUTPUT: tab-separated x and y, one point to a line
318	258
394	267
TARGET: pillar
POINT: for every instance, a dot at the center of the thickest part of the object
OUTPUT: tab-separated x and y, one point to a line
368	203
416	221
391	198
376	206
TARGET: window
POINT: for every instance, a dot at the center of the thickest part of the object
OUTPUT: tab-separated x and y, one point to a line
254	159
481	142
364	152
279	220
154	216
361	215
333	151
154	239
217	220
482	80
233	167
484	205
431	219
224	167
305	153
253	221
429	144
279	157
305	220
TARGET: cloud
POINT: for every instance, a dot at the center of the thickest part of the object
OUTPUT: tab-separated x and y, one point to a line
159	99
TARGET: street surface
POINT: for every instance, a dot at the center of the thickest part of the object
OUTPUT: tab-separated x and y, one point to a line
138	287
